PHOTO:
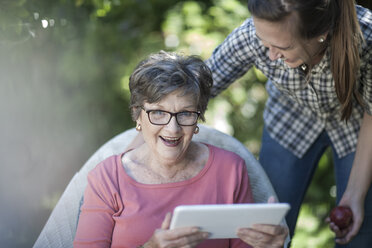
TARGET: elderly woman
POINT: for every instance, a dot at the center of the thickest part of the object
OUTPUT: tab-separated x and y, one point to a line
129	197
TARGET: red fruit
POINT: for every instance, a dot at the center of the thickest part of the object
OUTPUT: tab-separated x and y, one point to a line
341	216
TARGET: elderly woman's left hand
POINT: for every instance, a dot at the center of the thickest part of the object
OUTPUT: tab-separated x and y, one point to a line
262	235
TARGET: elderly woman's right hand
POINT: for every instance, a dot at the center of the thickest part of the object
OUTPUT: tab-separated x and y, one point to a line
179	237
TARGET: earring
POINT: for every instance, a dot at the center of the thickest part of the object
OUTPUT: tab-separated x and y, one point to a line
321	39
138	127
196	130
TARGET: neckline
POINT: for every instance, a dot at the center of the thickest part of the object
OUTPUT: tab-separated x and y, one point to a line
201	173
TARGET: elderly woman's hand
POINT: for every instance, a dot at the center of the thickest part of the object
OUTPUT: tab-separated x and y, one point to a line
179	237
261	235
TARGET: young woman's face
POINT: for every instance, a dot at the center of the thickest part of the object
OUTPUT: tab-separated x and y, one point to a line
168	143
279	39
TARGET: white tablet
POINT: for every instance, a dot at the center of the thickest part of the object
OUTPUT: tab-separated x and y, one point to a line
223	220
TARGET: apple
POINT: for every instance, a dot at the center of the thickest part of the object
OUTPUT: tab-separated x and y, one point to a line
341	216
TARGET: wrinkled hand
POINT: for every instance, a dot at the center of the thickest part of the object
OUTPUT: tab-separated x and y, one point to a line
185	237
344	236
260	235
263	235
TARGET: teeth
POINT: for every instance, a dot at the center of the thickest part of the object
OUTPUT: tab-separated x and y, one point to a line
171	139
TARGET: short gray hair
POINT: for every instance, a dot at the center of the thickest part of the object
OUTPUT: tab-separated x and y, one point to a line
163	73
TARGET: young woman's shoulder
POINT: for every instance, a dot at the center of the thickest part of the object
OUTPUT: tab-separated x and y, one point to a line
365	22
247	29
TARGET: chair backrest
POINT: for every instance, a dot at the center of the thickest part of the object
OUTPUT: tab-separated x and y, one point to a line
59	231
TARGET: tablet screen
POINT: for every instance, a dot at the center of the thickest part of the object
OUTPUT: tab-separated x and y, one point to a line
223	220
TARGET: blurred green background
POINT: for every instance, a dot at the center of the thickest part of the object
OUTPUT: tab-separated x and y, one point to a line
64	70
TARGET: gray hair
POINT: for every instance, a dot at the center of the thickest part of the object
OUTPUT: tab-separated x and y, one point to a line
163	73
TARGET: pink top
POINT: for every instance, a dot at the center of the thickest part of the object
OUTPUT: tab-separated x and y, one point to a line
122	212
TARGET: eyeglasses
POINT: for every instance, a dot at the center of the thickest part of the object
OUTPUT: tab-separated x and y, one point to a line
161	117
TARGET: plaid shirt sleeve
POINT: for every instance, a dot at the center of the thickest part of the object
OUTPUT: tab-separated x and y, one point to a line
233	58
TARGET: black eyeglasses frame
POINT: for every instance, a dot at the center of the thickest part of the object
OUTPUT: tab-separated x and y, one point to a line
171	115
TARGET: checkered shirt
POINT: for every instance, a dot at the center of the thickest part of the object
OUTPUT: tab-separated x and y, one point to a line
296	112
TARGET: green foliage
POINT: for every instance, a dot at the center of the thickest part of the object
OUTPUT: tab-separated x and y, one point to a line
311	230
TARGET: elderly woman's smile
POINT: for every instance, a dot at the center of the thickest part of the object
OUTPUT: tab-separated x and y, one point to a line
171	141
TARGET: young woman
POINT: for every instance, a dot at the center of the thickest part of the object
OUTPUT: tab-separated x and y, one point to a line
317	56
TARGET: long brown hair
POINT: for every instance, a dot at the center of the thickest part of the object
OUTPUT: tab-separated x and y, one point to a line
346	37
337	18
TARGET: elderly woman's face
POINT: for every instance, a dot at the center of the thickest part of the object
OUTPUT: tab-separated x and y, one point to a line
168	143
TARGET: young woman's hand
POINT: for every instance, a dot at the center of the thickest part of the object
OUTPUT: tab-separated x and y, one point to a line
179	237
345	235
358	184
262	235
